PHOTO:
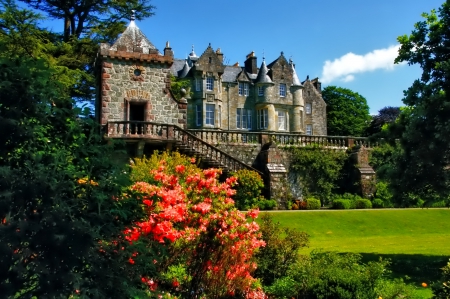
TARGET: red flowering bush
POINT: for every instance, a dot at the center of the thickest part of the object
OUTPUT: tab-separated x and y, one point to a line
208	243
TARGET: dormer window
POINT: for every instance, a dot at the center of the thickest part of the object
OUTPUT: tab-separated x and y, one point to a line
209	83
243	89
282	90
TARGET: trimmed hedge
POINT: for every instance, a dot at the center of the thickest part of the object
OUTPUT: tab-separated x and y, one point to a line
363	203
312	204
341	204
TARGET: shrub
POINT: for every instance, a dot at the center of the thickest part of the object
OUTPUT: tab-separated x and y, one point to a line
312	204
331	275
248	190
363	203
377	203
192	240
318	170
384	193
266	204
341	204
280	252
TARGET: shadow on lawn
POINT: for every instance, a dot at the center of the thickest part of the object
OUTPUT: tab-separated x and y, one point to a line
419	268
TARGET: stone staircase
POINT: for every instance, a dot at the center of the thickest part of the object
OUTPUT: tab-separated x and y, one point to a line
181	139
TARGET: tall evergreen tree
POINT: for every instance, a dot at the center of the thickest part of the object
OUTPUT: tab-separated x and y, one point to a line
422	170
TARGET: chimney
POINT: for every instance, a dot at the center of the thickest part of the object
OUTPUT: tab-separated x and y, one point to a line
250	63
219	55
168	50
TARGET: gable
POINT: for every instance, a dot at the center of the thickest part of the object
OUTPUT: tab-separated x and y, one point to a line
210	62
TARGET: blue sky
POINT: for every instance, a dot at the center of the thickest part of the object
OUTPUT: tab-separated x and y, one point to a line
347	43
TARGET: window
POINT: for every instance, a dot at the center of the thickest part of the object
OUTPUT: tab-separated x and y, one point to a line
263	118
260	91
281	121
209	83
243	118
198	84
309	130
282	90
308	108
209	117
243	89
219	116
198	115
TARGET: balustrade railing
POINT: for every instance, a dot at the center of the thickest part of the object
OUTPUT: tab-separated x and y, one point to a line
235	137
150	130
137	129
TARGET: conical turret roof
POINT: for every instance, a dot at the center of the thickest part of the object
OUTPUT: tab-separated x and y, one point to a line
295	80
262	74
133	38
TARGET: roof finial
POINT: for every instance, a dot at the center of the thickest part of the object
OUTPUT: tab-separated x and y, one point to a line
282	53
133	15
264	56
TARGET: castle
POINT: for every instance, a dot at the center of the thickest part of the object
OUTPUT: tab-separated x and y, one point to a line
230	117
135	86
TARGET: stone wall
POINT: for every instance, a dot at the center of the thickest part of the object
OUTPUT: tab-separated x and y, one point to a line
126	82
247	153
318	116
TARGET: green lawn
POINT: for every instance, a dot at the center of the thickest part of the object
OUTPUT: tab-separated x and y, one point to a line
417	241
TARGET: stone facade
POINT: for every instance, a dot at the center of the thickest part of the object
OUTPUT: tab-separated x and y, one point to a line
270	98
135	82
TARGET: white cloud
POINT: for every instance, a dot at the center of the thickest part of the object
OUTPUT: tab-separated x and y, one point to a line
345	67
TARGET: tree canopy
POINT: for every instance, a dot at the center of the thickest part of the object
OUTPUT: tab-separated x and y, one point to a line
347	112
385	116
422	169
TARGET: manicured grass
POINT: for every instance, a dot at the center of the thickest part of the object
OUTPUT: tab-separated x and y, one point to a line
417	241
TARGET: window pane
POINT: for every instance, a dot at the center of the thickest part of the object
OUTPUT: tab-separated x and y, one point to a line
281	120
209	83
283	90
238	118
308	129
308	108
249	119
246	89
260	91
209	114
198	115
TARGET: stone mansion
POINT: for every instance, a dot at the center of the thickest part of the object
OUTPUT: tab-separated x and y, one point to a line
134	85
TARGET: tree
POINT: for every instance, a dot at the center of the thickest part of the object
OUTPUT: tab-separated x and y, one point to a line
57	177
385	116
422	169
86	18
347	112
86	23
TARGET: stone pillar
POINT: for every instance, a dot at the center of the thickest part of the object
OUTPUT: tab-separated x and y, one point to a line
366	174
272	126
297	119
140	149
276	175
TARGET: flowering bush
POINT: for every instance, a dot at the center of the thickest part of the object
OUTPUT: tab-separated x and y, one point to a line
209	244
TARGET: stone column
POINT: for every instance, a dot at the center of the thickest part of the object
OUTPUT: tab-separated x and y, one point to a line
366	174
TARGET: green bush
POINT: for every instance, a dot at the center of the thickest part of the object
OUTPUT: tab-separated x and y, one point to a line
337	276
248	190
341	204
312	204
318	170
363	203
266	204
280	252
382	192
377	203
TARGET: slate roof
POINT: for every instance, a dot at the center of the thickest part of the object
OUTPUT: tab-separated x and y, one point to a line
262	74
295	80
177	66
230	73
133	37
